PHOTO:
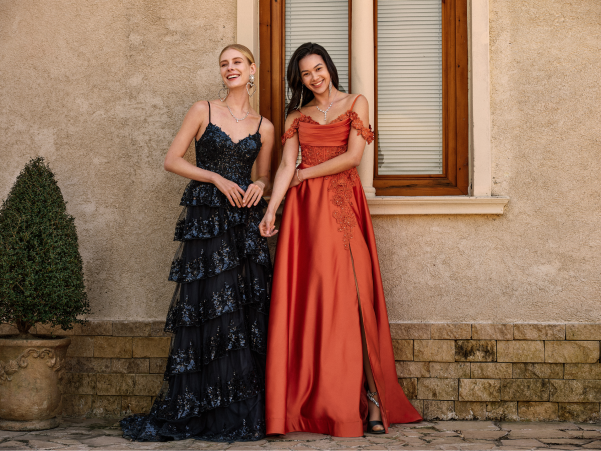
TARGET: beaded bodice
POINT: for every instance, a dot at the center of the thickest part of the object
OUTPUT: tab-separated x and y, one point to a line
216	152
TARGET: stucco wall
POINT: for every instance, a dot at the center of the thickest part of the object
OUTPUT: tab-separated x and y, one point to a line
541	260
100	88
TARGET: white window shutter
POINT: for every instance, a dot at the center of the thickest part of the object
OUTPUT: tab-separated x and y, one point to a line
409	87
324	22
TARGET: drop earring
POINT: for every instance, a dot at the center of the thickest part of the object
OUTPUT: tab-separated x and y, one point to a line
330	90
251	82
227	92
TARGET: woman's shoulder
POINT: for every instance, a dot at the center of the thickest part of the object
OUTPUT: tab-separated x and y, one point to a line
292	117
355	100
266	126
200	107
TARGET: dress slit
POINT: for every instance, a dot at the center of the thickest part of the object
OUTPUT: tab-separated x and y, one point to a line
364	337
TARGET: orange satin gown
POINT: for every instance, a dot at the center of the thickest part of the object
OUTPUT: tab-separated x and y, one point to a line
327	271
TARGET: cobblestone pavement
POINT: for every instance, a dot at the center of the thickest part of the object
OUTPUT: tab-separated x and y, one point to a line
436	435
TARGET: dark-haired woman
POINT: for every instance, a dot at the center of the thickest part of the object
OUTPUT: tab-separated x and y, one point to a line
214	381
330	364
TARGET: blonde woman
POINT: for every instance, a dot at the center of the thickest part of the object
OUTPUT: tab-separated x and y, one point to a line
214	387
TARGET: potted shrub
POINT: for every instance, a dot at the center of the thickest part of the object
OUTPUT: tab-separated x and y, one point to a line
41	282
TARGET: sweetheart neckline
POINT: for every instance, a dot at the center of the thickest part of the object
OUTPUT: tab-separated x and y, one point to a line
313	121
235	143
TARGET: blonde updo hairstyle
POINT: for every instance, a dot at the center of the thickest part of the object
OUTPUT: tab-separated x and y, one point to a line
242	49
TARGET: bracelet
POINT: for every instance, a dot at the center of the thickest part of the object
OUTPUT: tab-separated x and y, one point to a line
298	176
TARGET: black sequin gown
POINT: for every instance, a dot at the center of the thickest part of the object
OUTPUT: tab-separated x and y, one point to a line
214	382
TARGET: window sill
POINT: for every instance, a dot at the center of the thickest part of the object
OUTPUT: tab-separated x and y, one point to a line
436	205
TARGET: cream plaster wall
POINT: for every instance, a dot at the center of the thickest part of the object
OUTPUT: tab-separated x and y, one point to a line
541	260
99	88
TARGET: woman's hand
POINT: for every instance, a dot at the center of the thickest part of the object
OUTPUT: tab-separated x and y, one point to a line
267	225
295	179
231	190
253	194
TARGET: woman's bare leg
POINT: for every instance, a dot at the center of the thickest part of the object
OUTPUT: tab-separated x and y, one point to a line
374	411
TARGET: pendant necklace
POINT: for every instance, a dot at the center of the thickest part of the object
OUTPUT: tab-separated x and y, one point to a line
238	120
325	113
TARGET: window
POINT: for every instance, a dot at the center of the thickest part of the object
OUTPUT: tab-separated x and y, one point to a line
283	26
421	97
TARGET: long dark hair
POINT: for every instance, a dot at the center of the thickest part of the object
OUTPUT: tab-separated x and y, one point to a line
293	76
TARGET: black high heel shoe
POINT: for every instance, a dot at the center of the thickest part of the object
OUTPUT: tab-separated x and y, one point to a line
371	424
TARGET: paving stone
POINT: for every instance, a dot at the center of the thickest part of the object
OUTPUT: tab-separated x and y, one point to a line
539	332
94	327
467	425
520	351
571	351
538	371
483	434
582	371
403	349
439	410
81	347
502	411
475	350
492	331
450	331
440	389
151	346
579	411
413	369
575	391
523	443
479	390
491	370
525	390
409	386
538	411
105	441
565	441
42	444
585	434
118	347
410	331
470	410
434	350
449	370
11	444
593	445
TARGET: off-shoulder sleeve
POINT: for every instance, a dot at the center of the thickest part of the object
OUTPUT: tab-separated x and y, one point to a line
357	123
291	131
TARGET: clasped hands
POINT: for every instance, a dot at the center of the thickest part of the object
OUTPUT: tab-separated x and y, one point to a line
237	196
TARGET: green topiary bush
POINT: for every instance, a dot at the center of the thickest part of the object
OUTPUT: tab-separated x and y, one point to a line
41	273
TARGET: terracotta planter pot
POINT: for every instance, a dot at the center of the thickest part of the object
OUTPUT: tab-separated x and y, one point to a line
30	370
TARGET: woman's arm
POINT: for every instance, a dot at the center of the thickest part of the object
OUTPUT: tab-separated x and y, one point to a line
282	179
255	190
174	160
351	158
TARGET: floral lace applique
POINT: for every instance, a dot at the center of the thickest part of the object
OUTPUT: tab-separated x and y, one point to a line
357	123
291	131
342	187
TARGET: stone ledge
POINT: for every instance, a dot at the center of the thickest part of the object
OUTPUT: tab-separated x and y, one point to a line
436	205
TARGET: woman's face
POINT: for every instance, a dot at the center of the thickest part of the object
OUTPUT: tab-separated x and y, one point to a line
235	68
314	73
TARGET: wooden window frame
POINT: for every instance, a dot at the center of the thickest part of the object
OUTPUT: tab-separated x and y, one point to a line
454	179
272	64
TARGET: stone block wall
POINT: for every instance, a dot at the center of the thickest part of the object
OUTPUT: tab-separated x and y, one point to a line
113	368
527	372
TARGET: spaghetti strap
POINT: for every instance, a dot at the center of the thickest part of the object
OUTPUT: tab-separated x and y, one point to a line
209	111
259	127
353	105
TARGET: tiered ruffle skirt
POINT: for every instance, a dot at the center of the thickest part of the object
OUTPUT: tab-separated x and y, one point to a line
214	385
